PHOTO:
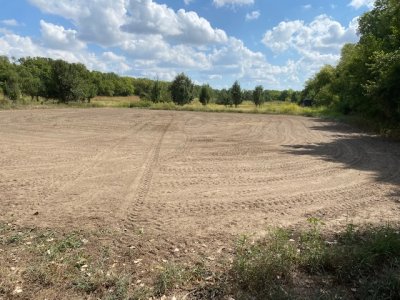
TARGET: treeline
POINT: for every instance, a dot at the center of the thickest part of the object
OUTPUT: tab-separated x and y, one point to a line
366	81
58	79
45	78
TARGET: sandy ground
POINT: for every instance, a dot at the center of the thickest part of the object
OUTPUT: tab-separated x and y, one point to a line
187	177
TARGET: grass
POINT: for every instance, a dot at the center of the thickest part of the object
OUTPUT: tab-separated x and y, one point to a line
363	263
276	107
246	107
170	277
358	263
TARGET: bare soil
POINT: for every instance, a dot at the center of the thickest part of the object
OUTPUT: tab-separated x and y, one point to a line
190	180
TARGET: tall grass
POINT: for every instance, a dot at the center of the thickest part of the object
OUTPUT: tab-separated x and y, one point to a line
245	107
364	263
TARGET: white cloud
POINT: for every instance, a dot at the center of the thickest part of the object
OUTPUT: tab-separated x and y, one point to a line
322	35
317	43
10	22
359	3
57	37
307	6
254	15
220	3
148	17
110	23
187	2
97	21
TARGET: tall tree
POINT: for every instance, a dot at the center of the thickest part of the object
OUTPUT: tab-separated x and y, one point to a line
236	93
224	98
258	95
205	94
156	92
181	89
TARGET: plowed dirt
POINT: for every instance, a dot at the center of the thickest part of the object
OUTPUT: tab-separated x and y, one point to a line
190	178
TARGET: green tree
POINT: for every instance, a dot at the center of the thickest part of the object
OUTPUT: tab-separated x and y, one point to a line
223	98
11	86
71	82
205	94
320	87
236	93
156	92
181	89
258	95
295	97
284	95
30	84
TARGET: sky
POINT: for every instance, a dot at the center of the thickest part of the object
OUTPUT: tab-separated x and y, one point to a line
276	44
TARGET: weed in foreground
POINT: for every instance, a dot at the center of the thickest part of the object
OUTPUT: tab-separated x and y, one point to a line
263	268
171	276
363	263
313	248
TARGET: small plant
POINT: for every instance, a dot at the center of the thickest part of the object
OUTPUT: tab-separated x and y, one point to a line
70	242
40	275
313	248
171	276
263	268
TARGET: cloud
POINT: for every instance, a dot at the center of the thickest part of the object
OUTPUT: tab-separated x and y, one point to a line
307	6
322	35
254	15
221	3
97	21
10	22
148	17
187	2
316	44
110	23
57	37
360	3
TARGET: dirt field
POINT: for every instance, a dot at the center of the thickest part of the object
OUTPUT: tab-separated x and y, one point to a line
187	178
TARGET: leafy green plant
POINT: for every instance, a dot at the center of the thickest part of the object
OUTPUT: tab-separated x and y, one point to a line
264	268
170	276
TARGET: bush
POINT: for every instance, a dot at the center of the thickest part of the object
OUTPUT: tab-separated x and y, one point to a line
264	268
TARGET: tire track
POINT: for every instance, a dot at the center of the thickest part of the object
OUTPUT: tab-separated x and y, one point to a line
98	159
139	189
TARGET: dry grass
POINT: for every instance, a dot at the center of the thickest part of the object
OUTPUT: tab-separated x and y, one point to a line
361	263
104	101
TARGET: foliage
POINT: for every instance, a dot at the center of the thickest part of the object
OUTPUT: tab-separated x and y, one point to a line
224	98
58	79
263	267
205	94
258	95
156	92
236	93
363	262
320	87
181	89
170	276
366	80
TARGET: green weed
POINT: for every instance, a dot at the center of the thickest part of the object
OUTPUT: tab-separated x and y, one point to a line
263	268
171	276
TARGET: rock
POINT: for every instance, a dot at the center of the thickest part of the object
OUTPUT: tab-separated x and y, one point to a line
17	290
35	213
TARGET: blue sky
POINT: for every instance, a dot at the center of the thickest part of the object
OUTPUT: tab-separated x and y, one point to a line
277	44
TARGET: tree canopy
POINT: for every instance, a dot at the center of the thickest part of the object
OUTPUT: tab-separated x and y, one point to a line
236	93
181	89
366	80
